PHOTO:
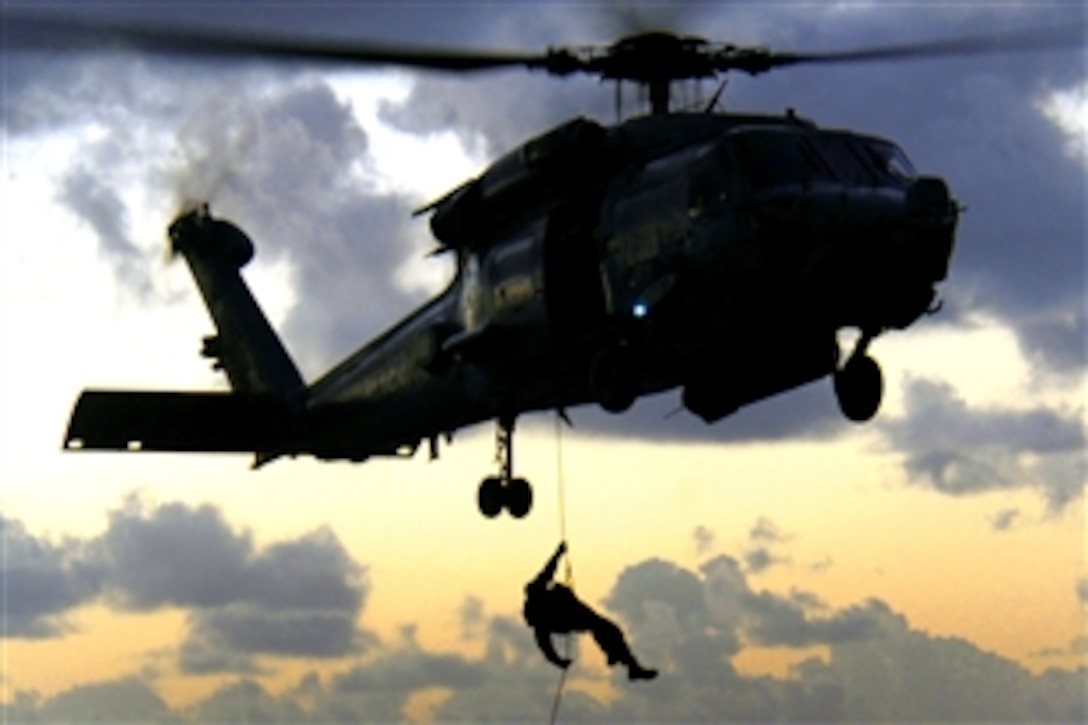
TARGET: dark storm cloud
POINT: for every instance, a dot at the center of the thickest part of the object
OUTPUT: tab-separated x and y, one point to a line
300	597
42	581
955	449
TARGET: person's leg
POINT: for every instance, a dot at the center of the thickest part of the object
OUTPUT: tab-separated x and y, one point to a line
610	639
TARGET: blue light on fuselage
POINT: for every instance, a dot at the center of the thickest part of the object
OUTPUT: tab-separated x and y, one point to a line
640	309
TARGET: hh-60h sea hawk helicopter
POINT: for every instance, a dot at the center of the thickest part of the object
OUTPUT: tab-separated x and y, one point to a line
718	253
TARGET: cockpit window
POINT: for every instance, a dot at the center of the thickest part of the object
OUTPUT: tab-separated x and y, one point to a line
844	160
769	158
890	161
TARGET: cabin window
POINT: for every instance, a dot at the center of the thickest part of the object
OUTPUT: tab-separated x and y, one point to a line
709	186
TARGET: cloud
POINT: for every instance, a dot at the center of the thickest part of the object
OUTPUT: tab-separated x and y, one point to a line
172	555
92	201
1004	519
293	598
955	449
704	539
798	620
274	149
691	622
765	530
124	700
253	629
247	701
42	581
296	598
758	556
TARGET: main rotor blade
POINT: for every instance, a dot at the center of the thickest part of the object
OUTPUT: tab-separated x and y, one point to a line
39	30
1047	38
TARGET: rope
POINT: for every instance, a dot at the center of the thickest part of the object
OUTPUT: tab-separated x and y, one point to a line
560	479
558	694
568	568
561	488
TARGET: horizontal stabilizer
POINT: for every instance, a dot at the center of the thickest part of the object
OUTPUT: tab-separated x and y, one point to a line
174	421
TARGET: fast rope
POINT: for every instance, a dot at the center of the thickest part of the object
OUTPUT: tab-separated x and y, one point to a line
568	569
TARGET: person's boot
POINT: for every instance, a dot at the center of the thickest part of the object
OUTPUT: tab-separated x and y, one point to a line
635	671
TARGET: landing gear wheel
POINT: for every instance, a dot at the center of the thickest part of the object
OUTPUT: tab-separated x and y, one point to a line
613	381
859	387
491	497
519	497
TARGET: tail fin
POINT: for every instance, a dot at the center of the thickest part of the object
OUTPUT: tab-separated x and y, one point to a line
245	345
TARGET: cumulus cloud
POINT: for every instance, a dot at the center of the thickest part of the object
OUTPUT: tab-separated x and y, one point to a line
296	598
956	449
124	700
688	622
41	582
172	555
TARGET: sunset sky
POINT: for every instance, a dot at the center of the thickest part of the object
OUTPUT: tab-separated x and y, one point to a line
781	564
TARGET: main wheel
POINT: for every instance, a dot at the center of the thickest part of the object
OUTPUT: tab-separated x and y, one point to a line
491	497
519	497
859	387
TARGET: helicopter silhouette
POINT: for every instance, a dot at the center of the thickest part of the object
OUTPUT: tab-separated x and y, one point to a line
718	253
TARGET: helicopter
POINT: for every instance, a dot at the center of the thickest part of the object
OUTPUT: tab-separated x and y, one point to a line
711	252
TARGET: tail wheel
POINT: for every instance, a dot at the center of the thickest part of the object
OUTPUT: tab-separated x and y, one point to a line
859	387
519	497
491	497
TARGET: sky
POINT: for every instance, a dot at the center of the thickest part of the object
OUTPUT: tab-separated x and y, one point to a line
781	564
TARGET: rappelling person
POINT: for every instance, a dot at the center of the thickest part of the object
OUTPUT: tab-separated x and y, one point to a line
552	608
